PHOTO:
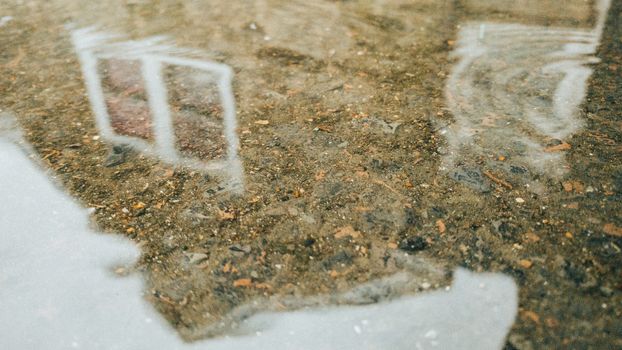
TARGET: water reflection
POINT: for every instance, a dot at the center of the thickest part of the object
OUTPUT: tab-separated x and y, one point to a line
515	95
334	106
157	98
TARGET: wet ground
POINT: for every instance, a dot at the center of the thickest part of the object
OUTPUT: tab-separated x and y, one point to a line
372	138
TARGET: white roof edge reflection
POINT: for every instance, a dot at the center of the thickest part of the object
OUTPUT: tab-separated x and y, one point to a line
57	291
490	93
153	53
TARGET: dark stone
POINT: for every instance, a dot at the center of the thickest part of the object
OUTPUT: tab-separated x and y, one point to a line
241	249
117	156
509	346
340	258
438	212
473	178
413	244
309	242
517	169
114	160
554	142
574	273
506	229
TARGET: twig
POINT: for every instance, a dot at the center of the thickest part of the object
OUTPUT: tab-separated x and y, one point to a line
498	180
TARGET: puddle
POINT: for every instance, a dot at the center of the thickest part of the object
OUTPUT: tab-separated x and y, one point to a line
278	162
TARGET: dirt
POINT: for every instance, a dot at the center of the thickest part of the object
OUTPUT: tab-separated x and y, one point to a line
341	157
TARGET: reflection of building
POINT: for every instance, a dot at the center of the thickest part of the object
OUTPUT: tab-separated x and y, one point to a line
152	96
515	94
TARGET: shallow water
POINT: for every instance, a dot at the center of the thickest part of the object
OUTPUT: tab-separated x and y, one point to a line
319	165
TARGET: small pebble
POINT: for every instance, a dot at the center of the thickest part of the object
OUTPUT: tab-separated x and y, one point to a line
527	264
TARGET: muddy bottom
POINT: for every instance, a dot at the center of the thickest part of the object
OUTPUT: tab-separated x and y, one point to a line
335	144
